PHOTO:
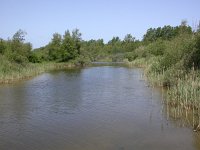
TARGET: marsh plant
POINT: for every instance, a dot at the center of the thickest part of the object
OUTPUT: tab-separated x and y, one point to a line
174	65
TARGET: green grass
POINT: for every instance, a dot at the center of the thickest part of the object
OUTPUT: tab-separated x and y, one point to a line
12	72
141	63
185	95
182	89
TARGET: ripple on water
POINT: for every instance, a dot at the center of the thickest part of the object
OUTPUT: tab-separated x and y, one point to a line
100	107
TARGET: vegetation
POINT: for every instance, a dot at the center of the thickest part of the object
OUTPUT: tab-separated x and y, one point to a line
172	60
170	56
18	61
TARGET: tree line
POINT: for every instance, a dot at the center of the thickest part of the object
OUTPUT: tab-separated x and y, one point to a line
71	47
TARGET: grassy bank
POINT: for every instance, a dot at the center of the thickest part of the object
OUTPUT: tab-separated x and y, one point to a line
175	65
183	90
12	72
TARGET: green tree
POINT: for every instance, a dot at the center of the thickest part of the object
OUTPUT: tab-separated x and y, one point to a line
19	36
114	40
71	45
2	46
76	36
184	28
55	50
128	43
68	47
129	38
19	50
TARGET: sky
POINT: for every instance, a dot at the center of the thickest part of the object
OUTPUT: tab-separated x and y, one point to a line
94	18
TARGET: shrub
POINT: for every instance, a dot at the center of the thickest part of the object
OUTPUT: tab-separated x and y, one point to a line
193	59
34	58
176	50
157	48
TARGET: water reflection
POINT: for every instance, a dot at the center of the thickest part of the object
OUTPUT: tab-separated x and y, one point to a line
182	116
92	108
55	95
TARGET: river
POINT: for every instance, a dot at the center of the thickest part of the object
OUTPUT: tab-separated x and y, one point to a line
94	108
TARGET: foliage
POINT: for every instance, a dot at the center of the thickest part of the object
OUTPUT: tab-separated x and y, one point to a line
170	55
55	52
166	33
165	49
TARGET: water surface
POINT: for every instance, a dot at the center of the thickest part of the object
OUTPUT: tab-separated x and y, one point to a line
96	108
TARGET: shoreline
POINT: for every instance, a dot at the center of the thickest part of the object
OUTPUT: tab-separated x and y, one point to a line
33	69
182	95
30	70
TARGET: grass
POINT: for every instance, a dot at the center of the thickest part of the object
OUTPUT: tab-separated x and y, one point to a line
185	98
14	72
183	90
141	63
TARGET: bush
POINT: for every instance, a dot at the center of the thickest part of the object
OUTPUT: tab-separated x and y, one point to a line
81	61
157	48
193	59
19	59
176	50
131	56
118	57
34	58
141	52
2	46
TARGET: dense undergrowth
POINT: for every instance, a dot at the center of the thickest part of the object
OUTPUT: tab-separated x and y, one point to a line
12	72
174	64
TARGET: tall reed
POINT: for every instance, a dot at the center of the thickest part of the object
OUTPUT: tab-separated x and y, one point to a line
182	91
14	72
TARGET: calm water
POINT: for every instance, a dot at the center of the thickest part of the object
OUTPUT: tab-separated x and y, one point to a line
96	108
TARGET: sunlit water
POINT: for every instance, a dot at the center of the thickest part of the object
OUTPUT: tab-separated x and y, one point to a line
96	108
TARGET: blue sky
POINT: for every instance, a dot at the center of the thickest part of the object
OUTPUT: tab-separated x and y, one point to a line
95	18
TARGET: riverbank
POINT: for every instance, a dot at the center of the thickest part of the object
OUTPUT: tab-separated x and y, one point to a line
110	103
183	89
15	72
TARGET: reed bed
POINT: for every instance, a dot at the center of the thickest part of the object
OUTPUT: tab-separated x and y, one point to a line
13	72
185	98
182	91
141	63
